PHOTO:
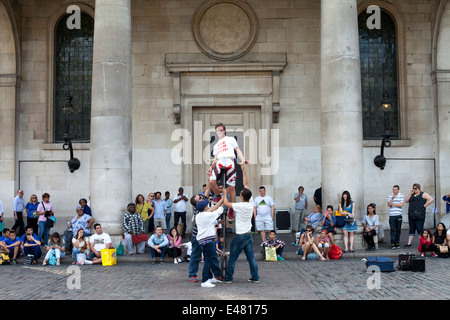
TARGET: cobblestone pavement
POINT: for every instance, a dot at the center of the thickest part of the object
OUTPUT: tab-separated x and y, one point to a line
345	279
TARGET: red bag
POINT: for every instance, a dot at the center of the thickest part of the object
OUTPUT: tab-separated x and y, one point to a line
139	238
335	252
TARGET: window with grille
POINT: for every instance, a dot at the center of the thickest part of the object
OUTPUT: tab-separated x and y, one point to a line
378	57
73	77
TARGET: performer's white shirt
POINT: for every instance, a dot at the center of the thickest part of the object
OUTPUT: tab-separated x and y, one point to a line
224	148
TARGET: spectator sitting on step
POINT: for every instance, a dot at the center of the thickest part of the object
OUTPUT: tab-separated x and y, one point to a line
56	244
371	223
315	218
12	245
273	241
158	243
80	245
81	221
426	244
133	225
439	237
28	231
174	249
329	223
32	246
97	242
323	244
307	243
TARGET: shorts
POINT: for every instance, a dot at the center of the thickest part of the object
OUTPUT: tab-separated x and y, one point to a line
230	166
264	223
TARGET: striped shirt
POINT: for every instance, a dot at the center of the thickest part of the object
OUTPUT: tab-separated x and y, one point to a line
396	211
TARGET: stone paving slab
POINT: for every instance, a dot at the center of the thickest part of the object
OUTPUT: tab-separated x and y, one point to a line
284	280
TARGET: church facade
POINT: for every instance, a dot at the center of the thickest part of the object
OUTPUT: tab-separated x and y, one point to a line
300	84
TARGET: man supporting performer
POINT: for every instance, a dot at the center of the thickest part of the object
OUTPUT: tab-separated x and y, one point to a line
224	157
243	239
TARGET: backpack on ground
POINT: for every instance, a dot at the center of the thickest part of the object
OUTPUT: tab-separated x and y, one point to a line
4	258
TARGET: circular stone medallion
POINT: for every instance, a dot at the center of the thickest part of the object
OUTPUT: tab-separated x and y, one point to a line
225	30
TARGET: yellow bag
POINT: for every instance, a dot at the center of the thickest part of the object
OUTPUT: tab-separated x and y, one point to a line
337	213
109	257
271	254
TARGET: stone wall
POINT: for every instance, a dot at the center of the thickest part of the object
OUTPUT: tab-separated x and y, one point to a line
165	27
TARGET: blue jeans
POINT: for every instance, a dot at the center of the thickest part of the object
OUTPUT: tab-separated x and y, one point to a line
154	252
239	243
211	263
395	224
43	232
415	224
196	257
35	251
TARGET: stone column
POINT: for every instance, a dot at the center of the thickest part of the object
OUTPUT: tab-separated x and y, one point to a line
442	83
110	155
341	113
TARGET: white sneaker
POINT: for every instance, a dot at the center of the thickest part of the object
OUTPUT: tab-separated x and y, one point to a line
175	261
208	284
179	260
87	262
214	280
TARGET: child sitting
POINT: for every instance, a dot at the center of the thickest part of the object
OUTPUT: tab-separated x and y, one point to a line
272	241
323	244
426	244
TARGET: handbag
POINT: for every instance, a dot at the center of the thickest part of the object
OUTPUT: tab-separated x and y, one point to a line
28	260
119	249
443	249
50	222
109	257
417	215
335	252
340	221
81	258
271	254
139	238
52	260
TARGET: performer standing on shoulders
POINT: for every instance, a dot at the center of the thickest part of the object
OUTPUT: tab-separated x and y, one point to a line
224	157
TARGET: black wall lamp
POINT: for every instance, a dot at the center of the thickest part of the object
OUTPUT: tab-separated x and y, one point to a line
380	160
67	109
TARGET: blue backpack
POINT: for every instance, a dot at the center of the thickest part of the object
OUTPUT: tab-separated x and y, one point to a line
52	260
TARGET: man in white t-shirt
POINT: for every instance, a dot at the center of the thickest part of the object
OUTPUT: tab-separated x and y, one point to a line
180	202
243	239
395	201
98	241
264	209
224	157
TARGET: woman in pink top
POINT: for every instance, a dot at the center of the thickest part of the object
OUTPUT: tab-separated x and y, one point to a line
174	249
44	210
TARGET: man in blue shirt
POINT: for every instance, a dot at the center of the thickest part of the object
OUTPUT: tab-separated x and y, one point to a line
18	207
301	205
160	212
12	246
86	208
28	230
169	203
446	199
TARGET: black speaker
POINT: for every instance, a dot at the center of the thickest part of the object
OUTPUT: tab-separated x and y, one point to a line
283	220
